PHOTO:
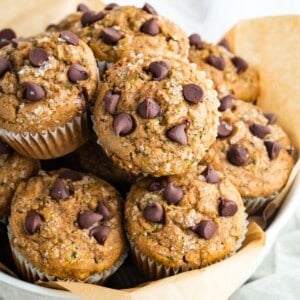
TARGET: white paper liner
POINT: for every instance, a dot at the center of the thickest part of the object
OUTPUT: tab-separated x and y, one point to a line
50	143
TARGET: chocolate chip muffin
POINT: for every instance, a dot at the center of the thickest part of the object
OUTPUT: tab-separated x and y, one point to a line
123	30
45	84
14	168
67	225
179	223
156	115
251	151
231	74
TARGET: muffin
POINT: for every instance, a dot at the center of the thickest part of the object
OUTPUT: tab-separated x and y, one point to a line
231	74
14	168
124	30
251	151
183	222
66	225
156	115
46	82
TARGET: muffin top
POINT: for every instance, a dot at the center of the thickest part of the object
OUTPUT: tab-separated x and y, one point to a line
67	224
45	81
187	221
13	169
156	115
251	151
230	74
127	29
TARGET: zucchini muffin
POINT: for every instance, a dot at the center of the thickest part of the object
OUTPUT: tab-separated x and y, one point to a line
179	223
251	151
156	115
67	225
231	74
45	85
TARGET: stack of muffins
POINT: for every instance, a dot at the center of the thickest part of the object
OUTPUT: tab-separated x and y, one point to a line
146	108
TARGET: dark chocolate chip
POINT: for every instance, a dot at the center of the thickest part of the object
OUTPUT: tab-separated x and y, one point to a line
4	43
149	9
33	92
69	37
237	155
226	103
5	149
217	62
38	56
192	93
148	109
33	222
123	124
227	208
273	149
77	73
89	17
100	233
60	190
195	40
111	101
5	66
154	213
7	34
272	118
205	229
224	129
150	27
240	64
87	218
158	184
178	134
159	70
110	36
210	175
259	130
224	43
70	174
173	194
104	211
82	7
111	6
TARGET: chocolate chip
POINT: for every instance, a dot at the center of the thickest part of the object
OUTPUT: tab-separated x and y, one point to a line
217	62
88	218
259	130
192	93
4	43
33	91
60	191
240	64
173	194
224	129
110	36
273	149
148	109
89	17
70	174
100	233
178	134
123	124
205	229
111	6
195	40
82	7
5	149
159	70
149	9
158	184
111	101
33	222
210	175
226	103
272	118
227	208
224	43
77	73
150	27
38	56
5	66
69	37
237	155
104	211
154	213
7	34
